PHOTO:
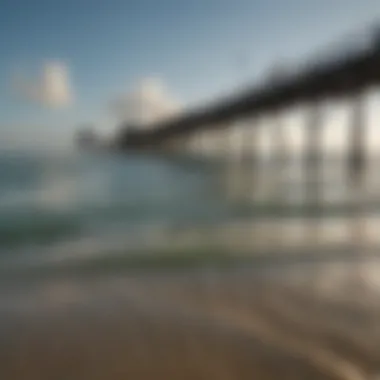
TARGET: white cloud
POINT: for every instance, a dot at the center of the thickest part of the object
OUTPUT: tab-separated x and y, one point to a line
51	89
147	103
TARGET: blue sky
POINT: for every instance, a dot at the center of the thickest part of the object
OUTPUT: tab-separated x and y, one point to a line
199	49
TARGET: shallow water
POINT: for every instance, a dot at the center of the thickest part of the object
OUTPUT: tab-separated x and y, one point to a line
132	267
48	200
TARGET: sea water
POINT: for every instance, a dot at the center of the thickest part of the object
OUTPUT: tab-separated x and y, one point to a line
72	308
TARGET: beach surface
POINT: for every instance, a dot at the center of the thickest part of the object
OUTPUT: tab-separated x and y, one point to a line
299	321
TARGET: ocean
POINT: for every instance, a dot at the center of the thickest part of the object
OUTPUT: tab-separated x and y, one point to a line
81	206
48	201
124	266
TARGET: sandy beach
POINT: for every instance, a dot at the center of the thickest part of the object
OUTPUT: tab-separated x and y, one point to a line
305	322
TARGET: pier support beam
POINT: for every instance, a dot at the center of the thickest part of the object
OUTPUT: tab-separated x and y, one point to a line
234	162
356	165
312	172
313	155
279	164
356	142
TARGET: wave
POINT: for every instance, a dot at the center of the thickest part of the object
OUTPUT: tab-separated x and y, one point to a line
130	259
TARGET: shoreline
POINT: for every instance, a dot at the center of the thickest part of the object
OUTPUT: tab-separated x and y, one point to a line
198	325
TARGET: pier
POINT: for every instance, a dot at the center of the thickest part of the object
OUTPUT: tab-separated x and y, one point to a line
207	133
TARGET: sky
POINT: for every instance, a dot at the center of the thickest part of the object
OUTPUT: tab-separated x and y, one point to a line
68	63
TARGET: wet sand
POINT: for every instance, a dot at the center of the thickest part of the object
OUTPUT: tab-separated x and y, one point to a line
231	324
